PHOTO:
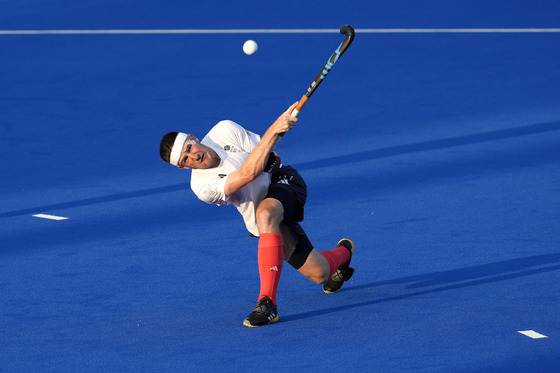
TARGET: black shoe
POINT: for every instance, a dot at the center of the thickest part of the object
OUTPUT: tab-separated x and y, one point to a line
343	273
263	314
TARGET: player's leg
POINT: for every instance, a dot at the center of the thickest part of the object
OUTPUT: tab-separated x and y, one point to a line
271	255
270	259
289	187
323	267
284	200
329	267
316	267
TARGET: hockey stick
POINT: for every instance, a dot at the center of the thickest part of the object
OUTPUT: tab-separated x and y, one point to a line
345	30
349	32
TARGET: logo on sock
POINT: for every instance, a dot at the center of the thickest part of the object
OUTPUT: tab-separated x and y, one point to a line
275	268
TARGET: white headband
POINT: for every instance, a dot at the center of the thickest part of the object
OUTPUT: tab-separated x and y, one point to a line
177	148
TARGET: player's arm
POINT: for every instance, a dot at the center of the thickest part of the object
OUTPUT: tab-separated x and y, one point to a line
255	163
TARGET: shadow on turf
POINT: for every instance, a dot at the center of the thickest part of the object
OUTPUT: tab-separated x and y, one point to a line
449	280
430	145
96	200
333	161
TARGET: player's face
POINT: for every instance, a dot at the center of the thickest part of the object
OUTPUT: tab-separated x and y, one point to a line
196	155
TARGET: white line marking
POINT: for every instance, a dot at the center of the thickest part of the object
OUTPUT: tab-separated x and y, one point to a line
52	217
532	334
280	31
459	30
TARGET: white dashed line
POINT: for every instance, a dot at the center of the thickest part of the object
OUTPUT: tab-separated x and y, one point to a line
51	217
532	334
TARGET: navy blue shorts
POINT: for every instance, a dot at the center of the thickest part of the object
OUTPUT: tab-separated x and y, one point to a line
288	187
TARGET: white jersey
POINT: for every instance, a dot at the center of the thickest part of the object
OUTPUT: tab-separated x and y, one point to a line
233	144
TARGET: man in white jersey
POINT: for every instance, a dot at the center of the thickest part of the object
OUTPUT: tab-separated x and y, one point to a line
233	166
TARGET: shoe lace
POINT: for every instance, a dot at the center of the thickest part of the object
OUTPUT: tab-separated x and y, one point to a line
263	306
338	276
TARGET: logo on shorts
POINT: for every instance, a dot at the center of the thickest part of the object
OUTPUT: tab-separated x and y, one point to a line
284	180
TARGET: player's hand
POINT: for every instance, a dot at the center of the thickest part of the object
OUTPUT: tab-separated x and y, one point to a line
286	121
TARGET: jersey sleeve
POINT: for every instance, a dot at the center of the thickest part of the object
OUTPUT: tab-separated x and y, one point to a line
238	135
211	190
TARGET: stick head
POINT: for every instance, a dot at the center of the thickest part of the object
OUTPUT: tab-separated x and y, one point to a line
348	31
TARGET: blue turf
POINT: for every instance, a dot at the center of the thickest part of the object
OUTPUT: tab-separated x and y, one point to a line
438	154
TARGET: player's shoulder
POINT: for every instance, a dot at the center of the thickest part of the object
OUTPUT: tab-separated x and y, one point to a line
227	125
228	131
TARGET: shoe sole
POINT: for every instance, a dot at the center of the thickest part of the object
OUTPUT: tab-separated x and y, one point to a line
331	292
256	326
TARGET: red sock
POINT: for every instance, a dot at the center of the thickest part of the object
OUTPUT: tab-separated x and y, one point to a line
271	258
336	257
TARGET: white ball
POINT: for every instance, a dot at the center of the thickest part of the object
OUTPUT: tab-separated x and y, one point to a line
250	47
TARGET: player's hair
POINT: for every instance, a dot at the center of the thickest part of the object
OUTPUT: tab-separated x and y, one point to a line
166	145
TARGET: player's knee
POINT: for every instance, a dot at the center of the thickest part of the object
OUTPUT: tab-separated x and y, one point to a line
316	268
319	275
269	215
321	279
264	217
